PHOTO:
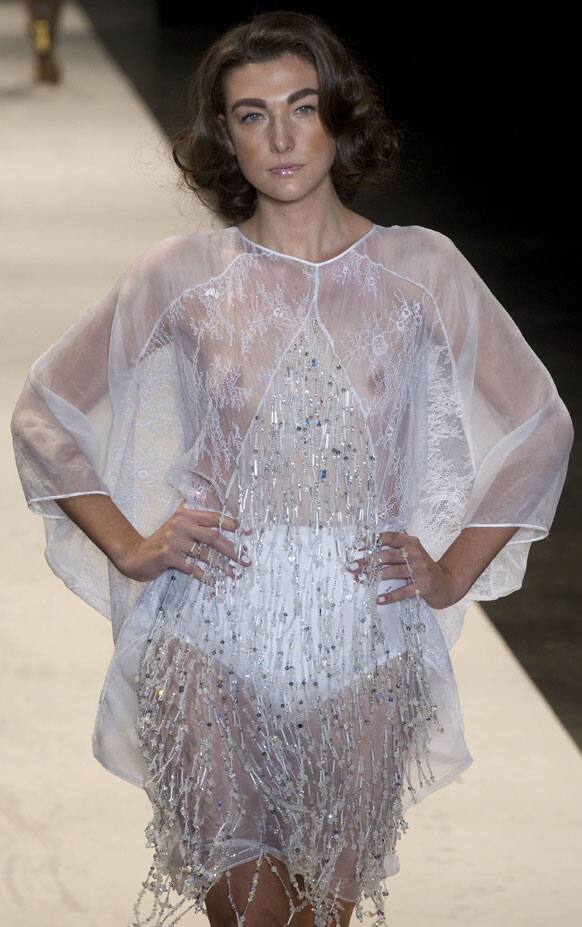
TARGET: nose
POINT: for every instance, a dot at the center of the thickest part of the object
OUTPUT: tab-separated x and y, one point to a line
282	135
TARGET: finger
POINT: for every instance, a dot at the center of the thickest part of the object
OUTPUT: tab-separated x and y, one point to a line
229	523
237	552
200	574
225	565
404	592
397	538
197	572
205	575
225	522
375	541
391	538
210	518
356	575
361	565
190	567
215	558
387	556
240	553
398	571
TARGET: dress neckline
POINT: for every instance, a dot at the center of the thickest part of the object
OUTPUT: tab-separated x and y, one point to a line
291	257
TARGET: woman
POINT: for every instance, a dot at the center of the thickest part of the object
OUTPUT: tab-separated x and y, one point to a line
350	405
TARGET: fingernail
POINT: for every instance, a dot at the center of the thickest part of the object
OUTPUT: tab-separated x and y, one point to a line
381	600
353	565
246	560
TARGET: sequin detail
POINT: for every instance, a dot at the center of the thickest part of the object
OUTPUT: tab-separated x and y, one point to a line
282	714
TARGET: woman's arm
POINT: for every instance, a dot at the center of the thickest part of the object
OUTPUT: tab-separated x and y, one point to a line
142	558
101	520
471	552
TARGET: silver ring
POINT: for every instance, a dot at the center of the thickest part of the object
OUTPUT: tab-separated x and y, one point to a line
375	545
417	591
189	558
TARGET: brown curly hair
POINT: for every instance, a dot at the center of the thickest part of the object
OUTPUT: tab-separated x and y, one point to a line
368	142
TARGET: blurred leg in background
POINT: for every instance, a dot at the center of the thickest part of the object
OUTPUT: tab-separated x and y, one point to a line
43	22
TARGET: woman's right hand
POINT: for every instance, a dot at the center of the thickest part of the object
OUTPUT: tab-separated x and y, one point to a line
168	547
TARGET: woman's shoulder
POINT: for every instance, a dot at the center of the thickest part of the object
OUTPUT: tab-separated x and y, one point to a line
187	244
415	238
421	255
184	258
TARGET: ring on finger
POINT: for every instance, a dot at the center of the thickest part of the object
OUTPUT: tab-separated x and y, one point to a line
191	556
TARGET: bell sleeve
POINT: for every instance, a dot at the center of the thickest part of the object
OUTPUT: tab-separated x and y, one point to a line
499	435
74	429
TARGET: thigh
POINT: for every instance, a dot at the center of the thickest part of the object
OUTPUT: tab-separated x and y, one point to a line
272	904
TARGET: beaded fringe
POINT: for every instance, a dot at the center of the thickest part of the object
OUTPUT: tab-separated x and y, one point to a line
400	694
257	754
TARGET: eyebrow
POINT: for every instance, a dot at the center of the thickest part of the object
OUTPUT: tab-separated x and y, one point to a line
251	101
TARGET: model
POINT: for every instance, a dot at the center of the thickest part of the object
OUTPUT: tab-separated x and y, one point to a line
283	456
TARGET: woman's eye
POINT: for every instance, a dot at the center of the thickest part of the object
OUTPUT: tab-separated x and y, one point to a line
247	115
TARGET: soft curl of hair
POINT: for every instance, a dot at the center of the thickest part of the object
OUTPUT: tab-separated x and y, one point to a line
368	142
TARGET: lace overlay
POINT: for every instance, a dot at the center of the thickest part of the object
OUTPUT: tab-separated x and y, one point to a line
286	717
284	712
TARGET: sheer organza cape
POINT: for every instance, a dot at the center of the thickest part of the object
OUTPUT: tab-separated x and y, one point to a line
154	387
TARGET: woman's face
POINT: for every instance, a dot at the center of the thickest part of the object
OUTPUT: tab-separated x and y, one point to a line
278	123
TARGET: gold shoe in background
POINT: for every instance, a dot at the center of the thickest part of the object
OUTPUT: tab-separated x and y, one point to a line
47	69
41	36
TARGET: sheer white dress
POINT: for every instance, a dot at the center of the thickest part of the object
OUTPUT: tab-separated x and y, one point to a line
286	714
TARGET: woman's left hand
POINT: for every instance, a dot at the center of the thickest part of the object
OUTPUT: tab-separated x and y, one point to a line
402	556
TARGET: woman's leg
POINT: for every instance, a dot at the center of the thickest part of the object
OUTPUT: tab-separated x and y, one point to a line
306	917
273	902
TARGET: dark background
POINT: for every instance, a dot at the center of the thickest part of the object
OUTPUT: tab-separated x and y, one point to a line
489	110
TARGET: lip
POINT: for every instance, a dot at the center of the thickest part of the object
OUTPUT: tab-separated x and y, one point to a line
286	169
